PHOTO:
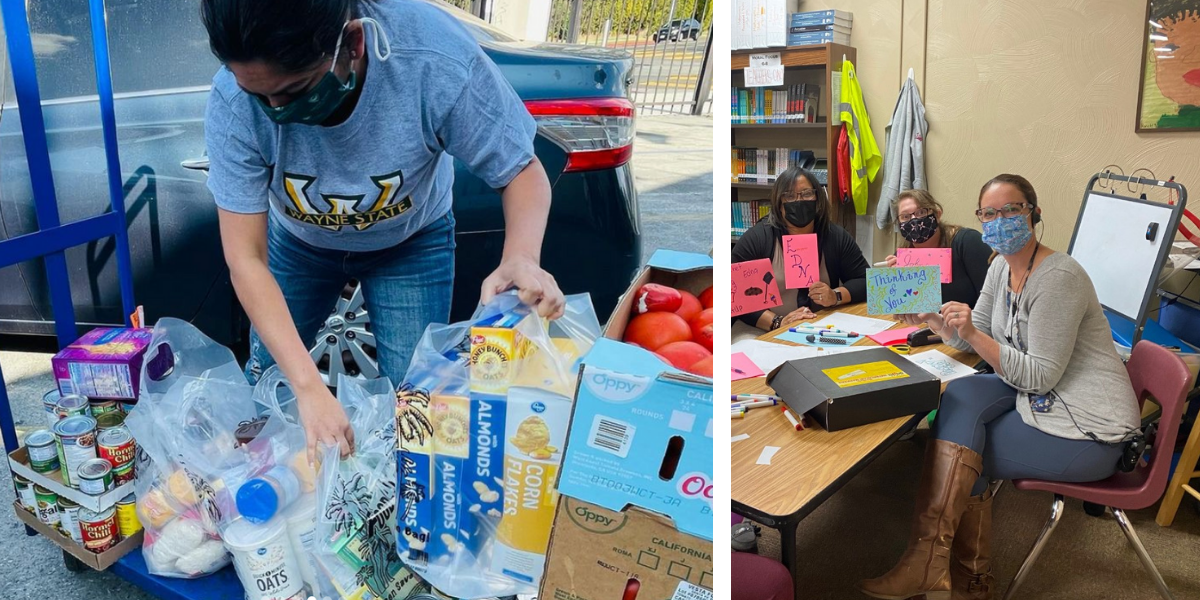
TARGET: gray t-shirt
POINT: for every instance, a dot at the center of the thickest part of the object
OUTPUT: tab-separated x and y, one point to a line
386	172
1060	341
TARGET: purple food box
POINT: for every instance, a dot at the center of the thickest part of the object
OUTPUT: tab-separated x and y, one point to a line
105	363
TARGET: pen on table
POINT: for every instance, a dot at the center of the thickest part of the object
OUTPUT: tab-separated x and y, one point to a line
792	419
830	334
882	263
746	397
754	404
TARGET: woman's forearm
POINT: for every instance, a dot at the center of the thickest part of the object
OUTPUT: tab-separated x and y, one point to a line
765	319
263	302
987	349
526	203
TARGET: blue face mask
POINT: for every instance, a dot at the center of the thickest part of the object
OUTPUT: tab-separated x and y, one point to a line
318	103
1007	235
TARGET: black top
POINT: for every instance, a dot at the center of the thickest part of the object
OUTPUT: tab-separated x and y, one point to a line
843	259
970	258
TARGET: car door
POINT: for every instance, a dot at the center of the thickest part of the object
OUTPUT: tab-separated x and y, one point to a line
161	69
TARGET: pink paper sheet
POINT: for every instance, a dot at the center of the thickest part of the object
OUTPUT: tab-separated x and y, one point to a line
926	257
800	261
893	336
741	367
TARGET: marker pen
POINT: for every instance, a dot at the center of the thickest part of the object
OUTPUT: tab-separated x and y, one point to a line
754	404
791	419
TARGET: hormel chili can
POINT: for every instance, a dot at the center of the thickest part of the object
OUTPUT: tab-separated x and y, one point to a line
98	530
118	448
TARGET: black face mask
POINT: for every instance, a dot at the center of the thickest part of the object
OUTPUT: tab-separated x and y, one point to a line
919	230
800	213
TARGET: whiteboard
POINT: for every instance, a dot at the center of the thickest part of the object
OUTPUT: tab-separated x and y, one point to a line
1110	243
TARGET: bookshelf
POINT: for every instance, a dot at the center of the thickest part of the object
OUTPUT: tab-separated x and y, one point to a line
808	65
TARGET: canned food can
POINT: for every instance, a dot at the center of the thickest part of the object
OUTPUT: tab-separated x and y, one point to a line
25	493
98	530
76	445
47	505
43	451
127	519
50	405
95	477
110	420
68	519
73	405
103	407
117	446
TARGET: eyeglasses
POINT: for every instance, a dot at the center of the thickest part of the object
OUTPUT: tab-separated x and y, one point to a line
1008	210
806	195
920	213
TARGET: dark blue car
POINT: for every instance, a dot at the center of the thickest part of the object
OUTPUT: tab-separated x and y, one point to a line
162	68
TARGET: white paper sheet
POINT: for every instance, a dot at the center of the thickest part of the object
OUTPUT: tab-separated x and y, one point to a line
738	438
769	355
767	453
941	366
831	350
857	324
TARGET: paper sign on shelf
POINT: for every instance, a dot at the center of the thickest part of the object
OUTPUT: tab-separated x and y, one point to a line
753	287
764	70
801	265
903	290
926	257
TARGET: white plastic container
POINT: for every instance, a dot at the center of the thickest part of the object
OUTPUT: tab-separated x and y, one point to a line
264	559
302	531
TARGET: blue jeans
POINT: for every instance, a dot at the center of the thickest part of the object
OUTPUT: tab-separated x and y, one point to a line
405	288
980	412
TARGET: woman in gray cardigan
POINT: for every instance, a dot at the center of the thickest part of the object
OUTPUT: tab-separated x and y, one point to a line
1060	406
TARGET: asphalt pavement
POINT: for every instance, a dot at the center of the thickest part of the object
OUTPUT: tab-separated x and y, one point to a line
673	169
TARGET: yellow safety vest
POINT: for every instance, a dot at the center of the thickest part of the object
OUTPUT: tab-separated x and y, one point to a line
865	158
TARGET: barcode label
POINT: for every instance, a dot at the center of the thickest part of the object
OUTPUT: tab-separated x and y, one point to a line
65	387
611	435
687	591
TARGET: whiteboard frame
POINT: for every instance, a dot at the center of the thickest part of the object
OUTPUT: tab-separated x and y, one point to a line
1169	233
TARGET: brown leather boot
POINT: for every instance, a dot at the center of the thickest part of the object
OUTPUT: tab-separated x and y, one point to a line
971	565
949	473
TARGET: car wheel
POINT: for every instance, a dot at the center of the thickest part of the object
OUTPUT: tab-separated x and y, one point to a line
345	343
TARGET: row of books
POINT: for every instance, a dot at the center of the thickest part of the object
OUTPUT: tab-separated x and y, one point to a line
792	104
763	165
747	213
767	24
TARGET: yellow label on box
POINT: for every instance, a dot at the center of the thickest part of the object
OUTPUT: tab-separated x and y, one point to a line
493	350
852	375
450	417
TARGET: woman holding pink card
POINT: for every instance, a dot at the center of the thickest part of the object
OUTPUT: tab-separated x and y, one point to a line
800	206
921	225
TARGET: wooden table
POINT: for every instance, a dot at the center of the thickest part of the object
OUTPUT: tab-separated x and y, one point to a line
811	465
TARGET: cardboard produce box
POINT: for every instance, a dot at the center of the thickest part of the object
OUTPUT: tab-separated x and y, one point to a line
96	561
680	270
636	482
856	388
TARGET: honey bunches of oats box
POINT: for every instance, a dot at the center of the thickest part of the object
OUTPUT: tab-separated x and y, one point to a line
495	346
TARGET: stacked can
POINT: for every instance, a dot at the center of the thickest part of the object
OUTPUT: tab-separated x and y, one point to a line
43	451
110	420
68	513
94	477
25	493
50	405
98	530
102	407
72	405
47	505
76	445
116	446
127	520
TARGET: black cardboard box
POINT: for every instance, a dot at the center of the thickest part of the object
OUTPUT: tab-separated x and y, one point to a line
856	388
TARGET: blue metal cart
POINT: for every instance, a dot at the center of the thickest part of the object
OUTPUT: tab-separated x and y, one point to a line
53	238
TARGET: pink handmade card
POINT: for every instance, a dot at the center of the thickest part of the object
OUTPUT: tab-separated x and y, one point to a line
754	287
741	367
800	261
892	336
926	257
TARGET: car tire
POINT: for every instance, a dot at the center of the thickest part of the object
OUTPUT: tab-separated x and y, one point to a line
345	343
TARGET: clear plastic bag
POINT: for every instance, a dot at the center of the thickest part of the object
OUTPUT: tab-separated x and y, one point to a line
481	419
354	551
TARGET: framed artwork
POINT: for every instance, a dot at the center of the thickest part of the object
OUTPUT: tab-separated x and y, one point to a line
1169	98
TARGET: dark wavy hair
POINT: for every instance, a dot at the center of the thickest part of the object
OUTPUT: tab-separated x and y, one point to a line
784	183
291	34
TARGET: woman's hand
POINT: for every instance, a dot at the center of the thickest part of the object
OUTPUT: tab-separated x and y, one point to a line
891	260
822	294
796	316
535	287
911	318
933	321
324	422
957	315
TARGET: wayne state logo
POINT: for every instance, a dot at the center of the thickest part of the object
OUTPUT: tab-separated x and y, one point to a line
335	211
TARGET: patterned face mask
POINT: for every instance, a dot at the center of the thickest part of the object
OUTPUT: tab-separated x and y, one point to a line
1007	235
919	230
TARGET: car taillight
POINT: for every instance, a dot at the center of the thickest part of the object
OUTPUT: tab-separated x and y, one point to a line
596	133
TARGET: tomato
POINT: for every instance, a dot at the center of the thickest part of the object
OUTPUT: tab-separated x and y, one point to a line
706	298
704	367
702	328
654	330
683	355
690	307
653	297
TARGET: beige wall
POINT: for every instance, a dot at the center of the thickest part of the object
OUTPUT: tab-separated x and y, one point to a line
1047	89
